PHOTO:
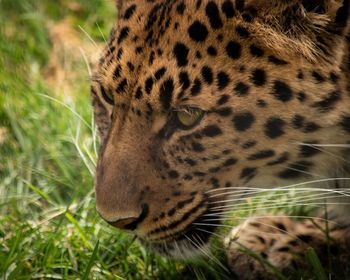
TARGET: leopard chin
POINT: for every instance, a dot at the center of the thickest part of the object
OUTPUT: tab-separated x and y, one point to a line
178	249
187	244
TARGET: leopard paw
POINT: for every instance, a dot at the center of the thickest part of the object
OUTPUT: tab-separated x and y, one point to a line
263	247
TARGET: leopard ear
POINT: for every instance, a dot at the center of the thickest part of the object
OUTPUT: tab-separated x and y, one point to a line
313	27
327	15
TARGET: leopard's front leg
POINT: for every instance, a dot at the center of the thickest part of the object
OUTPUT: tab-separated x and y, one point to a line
262	247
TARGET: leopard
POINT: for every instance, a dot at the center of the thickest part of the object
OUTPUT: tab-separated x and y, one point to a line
198	102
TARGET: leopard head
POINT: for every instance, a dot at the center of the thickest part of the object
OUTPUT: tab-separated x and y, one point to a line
196	100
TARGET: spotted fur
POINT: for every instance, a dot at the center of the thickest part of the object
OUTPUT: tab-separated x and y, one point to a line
272	80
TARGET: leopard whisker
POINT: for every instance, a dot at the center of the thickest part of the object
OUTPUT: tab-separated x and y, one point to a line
89	160
210	232
89	37
75	113
86	61
94	136
239	208
166	245
324	192
210	254
320	205
276	228
271	226
238	193
277	202
297	193
229	200
210	224
178	249
322	145
302	171
224	217
284	187
205	252
319	148
103	36
278	192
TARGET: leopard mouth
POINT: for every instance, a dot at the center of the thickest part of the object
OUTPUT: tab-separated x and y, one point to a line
188	243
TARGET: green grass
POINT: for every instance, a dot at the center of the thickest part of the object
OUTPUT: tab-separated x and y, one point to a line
49	228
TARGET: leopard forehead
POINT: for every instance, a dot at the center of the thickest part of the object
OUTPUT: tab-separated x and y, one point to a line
221	57
272	89
168	53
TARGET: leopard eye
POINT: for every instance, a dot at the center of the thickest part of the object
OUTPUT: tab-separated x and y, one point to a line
107	95
189	117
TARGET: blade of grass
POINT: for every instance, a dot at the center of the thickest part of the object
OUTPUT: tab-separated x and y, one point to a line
14	249
72	110
315	262
91	261
79	228
38	192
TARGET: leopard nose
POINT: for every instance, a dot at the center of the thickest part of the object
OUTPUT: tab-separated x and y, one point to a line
130	223
126	224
